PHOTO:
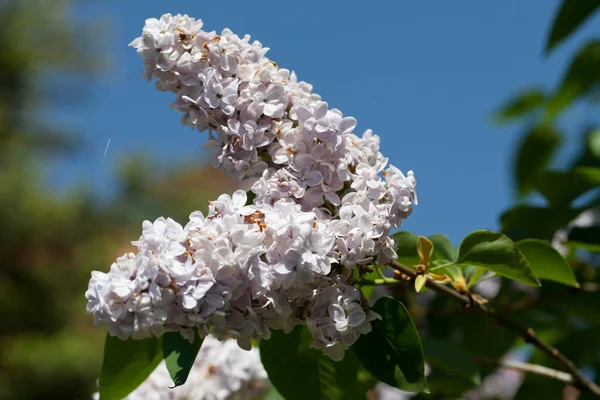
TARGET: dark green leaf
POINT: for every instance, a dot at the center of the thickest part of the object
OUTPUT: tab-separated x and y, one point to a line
392	351
583	75
525	102
273	394
299	372
533	155
496	252
180	354
406	248
524	222
450	357
127	363
587	238
546	262
561	188
570	16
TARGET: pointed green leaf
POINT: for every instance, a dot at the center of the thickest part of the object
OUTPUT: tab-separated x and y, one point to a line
127	363
496	252
299	372
522	104
546	262
392	351
180	354
570	16
452	358
582	76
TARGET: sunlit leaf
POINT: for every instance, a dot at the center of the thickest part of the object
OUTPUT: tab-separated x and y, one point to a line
546	262
496	252
420	281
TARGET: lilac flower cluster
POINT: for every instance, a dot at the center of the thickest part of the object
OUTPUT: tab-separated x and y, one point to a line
324	202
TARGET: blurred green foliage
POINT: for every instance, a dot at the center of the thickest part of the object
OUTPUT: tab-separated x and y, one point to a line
49	243
561	205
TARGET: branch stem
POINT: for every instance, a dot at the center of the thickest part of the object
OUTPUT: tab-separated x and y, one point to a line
578	378
528	368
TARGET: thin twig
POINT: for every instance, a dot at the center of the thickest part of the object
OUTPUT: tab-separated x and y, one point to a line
529	368
579	379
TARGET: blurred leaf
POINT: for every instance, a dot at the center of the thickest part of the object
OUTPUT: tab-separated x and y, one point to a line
570	16
546	262
179	355
451	357
446	386
442	247
496	252
589	156
127	363
561	188
392	351
406	248
587	238
535	151
536	222
583	75
299	372
528	100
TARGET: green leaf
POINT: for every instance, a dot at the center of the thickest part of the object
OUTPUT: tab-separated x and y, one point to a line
581	77
406	248
444	253
392	351
127	363
496	252
561	188
523	222
525	102
452	358
273	394
587	238
179	355
533	155
570	16
299	372
443	249
546	262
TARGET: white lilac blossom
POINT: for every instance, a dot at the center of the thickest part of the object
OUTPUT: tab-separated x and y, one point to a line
222	371
324	202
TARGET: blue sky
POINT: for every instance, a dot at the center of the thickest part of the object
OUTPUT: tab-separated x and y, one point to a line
425	76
